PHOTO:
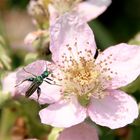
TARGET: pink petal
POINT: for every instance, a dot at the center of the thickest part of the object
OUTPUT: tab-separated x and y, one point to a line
36	68
49	93
63	114
8	83
124	63
115	110
54	14
91	9
81	131
70	32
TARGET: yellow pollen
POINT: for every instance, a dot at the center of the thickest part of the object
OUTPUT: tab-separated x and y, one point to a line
81	77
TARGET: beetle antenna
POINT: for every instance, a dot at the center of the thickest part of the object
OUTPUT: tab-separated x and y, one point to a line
29	72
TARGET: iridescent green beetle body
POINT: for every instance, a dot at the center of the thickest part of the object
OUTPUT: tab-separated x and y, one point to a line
36	82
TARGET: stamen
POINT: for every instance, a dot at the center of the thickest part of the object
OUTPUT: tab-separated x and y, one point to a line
83	77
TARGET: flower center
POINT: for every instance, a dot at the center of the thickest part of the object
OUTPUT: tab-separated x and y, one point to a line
83	77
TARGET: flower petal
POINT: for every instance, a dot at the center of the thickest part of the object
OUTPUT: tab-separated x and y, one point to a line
54	14
8	83
70	37
35	68
115	110
91	9
63	114
81	131
124	63
49	93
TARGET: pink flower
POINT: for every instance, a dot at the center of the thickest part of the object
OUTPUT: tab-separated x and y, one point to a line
90	87
81	131
88	10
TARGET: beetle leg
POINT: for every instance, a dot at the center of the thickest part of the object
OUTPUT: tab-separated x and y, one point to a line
49	79
38	93
29	79
51	83
48	82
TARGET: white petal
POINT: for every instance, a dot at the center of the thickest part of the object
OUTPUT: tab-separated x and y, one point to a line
91	9
71	32
123	60
63	114
115	110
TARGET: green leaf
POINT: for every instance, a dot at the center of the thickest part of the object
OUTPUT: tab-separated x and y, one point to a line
135	40
102	35
132	87
27	110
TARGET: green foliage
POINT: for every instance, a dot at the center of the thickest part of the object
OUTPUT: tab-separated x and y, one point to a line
5	61
102	35
133	87
12	109
18	3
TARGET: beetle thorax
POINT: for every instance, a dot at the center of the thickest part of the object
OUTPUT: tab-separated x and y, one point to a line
39	79
45	74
